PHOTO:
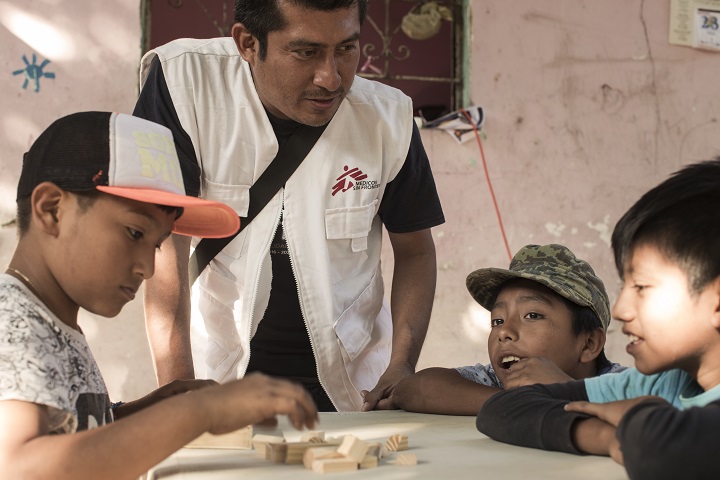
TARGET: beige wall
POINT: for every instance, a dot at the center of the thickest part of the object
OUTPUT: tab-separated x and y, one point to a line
587	106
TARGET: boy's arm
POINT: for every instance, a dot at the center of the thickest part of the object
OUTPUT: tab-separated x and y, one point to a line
443	391
533	416
167	311
659	441
129	447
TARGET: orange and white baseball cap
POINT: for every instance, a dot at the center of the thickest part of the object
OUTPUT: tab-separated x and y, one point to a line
124	156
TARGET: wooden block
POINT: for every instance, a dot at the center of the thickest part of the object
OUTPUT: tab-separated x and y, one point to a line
260	441
296	451
333	440
239	439
370	461
319	453
397	442
406	459
314	436
276	452
374	449
334	465
353	447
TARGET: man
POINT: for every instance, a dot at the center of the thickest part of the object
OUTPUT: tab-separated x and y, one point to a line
299	292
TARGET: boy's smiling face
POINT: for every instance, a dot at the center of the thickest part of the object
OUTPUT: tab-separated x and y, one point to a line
104	251
669	327
530	320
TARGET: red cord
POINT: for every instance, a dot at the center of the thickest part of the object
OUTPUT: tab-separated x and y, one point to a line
487	176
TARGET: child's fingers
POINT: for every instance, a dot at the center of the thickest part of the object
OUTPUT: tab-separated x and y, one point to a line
581	407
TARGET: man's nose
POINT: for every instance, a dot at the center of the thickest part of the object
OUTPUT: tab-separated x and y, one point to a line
327	75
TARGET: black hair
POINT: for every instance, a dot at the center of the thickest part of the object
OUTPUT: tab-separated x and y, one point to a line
263	16
681	219
85	200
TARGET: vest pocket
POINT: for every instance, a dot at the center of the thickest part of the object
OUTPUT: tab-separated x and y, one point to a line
354	327
346	230
235	196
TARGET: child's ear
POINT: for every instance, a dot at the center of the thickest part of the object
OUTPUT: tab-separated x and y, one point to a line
45	207
594	344
715	286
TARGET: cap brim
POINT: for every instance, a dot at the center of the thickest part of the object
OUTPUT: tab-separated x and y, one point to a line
200	218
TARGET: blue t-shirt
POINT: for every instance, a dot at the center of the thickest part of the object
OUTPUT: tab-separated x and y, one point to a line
675	386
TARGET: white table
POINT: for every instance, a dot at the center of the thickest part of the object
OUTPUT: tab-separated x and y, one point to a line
447	447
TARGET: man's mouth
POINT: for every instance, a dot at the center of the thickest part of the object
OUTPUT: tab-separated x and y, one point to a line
633	338
508	361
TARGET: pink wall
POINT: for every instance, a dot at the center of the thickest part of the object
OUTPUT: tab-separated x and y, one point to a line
587	106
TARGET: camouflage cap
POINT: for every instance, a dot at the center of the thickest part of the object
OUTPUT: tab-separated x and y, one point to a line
554	266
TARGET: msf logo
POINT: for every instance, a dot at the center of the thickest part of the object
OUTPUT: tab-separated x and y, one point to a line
348	179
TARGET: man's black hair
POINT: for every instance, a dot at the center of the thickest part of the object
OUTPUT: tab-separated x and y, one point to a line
263	16
681	219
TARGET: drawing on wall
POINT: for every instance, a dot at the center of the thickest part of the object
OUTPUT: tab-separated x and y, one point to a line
33	72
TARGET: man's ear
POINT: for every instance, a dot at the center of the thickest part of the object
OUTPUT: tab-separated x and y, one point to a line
594	344
45	207
248	46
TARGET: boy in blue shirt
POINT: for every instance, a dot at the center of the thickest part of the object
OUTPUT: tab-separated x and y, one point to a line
98	194
660	419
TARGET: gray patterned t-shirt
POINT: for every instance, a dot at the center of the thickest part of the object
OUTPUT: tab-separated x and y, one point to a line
44	361
485	374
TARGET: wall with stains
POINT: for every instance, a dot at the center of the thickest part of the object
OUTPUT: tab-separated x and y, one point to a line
91	50
587	106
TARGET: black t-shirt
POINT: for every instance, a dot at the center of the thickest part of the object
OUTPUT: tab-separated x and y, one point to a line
281	344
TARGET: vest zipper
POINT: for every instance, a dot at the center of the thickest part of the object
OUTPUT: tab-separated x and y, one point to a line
302	309
254	296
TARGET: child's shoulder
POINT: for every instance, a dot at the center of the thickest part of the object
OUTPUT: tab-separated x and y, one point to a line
630	383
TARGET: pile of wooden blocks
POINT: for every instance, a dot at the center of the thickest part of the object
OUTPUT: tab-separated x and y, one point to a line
332	455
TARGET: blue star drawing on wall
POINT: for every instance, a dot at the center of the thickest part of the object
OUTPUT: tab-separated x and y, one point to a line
33	72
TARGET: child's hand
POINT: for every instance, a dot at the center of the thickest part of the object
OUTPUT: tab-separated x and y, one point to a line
611	412
532	370
256	399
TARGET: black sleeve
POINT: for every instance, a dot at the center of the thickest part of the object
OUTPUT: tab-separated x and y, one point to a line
660	442
155	104
410	202
533	416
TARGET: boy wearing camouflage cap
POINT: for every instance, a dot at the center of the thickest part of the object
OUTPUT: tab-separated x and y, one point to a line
549	317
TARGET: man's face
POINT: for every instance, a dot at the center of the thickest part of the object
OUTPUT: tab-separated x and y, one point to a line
310	64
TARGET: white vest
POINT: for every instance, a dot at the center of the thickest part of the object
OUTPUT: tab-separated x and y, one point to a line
334	241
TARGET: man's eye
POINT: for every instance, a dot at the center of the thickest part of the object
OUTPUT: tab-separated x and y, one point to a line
305	53
136	235
348	48
496	321
639	288
533	316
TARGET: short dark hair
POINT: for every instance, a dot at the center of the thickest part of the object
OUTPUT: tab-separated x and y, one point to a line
85	200
263	16
681	219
